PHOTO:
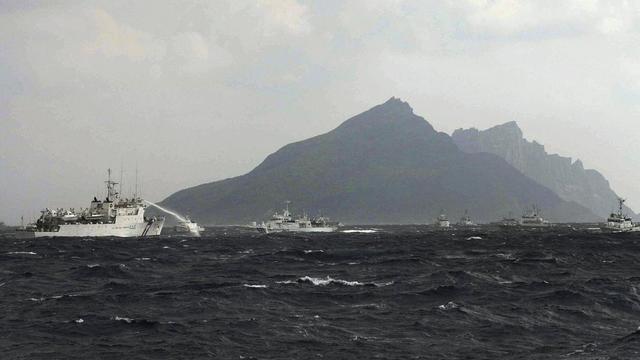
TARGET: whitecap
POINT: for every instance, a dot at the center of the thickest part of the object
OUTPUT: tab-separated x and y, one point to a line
313	251
505	256
79	321
448	306
361	231
255	286
125	319
143	259
90	266
474	238
329	280
21	253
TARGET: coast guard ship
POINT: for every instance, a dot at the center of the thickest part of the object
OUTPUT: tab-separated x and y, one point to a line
533	218
285	222
619	221
111	217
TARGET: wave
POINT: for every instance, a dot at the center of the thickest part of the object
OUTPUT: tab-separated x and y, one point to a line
449	306
256	286
331	281
143	322
125	319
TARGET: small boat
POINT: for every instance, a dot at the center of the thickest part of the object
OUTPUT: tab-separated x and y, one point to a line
188	227
465	220
509	221
442	221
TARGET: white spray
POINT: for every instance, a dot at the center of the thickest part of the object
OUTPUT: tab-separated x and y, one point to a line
176	215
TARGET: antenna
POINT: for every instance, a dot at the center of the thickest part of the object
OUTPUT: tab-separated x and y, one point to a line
120	190
135	195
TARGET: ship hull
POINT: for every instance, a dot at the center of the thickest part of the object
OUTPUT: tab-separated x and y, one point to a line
613	229
99	230
319	229
544	225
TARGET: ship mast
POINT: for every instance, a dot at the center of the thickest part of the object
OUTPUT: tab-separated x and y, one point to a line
121	182
111	191
135	194
620	204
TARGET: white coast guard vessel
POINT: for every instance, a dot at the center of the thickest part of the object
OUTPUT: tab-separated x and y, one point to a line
465	220
619	221
533	218
285	222
442	221
112	217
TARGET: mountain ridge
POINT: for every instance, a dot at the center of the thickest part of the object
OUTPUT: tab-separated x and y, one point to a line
385	165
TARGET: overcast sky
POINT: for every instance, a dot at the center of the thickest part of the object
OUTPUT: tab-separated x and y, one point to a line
196	91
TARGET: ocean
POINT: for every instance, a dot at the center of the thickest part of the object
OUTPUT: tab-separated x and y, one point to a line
389	292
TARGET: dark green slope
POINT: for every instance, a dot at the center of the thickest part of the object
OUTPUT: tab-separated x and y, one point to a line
386	165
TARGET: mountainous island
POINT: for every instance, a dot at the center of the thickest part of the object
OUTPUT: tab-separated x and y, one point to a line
570	180
385	165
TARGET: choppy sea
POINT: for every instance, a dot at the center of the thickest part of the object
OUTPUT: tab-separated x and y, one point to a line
403	292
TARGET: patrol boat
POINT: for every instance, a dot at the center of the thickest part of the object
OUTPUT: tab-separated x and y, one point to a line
619	221
111	217
465	220
442	221
533	218
509	221
286	222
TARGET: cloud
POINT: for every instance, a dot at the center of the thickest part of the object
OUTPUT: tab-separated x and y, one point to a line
546	19
114	39
193	54
285	15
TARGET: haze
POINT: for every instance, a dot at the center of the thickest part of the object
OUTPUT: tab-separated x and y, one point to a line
196	91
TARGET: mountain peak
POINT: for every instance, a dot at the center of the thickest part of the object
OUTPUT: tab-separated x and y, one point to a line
510	127
397	105
392	114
